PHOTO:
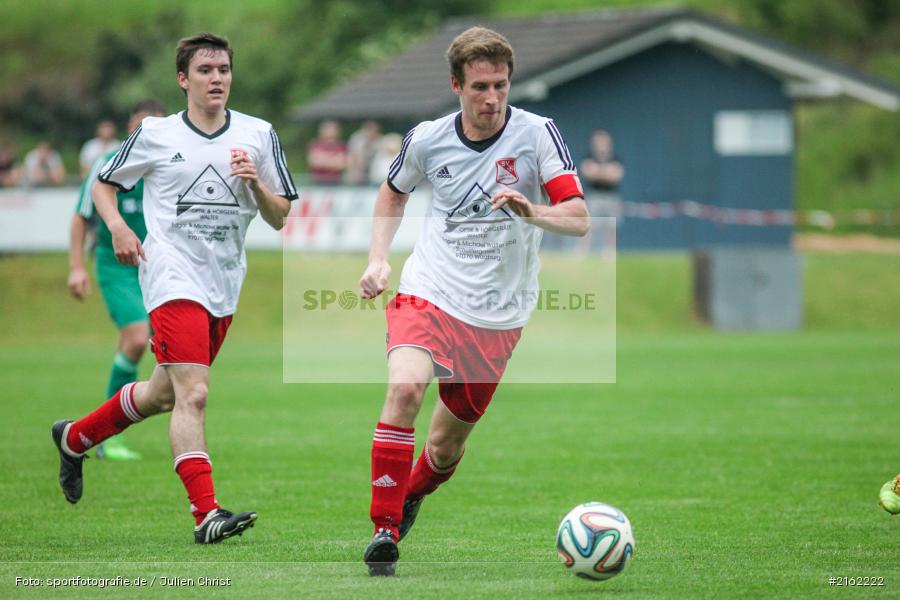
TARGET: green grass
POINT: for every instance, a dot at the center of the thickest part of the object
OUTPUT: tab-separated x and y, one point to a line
842	291
748	463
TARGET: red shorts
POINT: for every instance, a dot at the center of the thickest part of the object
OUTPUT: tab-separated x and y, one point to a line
185	333
469	360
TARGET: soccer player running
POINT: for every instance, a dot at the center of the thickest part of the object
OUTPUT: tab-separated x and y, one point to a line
500	176
118	283
207	171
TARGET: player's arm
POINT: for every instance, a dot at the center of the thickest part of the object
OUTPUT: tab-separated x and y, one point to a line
79	283
273	208
566	217
389	207
126	244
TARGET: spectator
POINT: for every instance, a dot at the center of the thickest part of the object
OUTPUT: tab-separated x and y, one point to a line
43	166
602	169
327	155
99	146
603	172
388	149
361	149
10	173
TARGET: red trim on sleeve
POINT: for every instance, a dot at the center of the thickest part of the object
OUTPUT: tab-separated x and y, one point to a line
564	187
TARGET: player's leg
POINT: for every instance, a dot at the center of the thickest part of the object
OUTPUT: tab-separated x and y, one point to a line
186	340
447	435
444	448
480	358
410	370
187	436
112	417
154	396
889	496
131	404
188	439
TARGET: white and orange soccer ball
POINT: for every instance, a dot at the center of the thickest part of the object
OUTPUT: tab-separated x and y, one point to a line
595	541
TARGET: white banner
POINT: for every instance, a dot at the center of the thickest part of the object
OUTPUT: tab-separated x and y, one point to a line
34	220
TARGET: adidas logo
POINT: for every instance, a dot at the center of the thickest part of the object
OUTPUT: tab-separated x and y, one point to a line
177	158
87	442
444	173
384	481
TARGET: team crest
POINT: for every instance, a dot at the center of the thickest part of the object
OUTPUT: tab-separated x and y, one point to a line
506	171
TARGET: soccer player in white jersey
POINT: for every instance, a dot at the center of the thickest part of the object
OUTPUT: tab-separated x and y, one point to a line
207	171
500	176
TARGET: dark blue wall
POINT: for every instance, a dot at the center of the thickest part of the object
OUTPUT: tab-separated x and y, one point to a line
659	106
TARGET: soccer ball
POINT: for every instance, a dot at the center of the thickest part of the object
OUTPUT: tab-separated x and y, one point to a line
595	541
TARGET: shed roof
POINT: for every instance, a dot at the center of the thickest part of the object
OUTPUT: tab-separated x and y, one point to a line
553	49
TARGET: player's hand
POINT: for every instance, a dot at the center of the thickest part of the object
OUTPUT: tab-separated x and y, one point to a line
375	279
243	167
79	284
126	245
515	200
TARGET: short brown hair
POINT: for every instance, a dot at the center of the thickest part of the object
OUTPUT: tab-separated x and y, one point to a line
187	48
478	43
149	105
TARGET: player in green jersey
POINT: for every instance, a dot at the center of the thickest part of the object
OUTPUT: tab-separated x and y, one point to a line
118	282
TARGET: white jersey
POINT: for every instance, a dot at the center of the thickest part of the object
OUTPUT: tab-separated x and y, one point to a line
196	212
479	266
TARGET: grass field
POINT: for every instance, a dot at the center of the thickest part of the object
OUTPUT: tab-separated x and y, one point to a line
747	463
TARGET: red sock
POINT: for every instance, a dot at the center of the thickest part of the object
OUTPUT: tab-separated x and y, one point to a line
195	471
426	476
112	417
392	455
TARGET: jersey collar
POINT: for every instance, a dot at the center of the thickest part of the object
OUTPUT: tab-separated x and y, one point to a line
481	145
209	136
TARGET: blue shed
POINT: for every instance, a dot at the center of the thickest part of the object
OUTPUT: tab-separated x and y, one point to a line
701	112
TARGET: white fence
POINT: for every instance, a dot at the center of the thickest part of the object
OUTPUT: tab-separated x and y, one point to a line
37	220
